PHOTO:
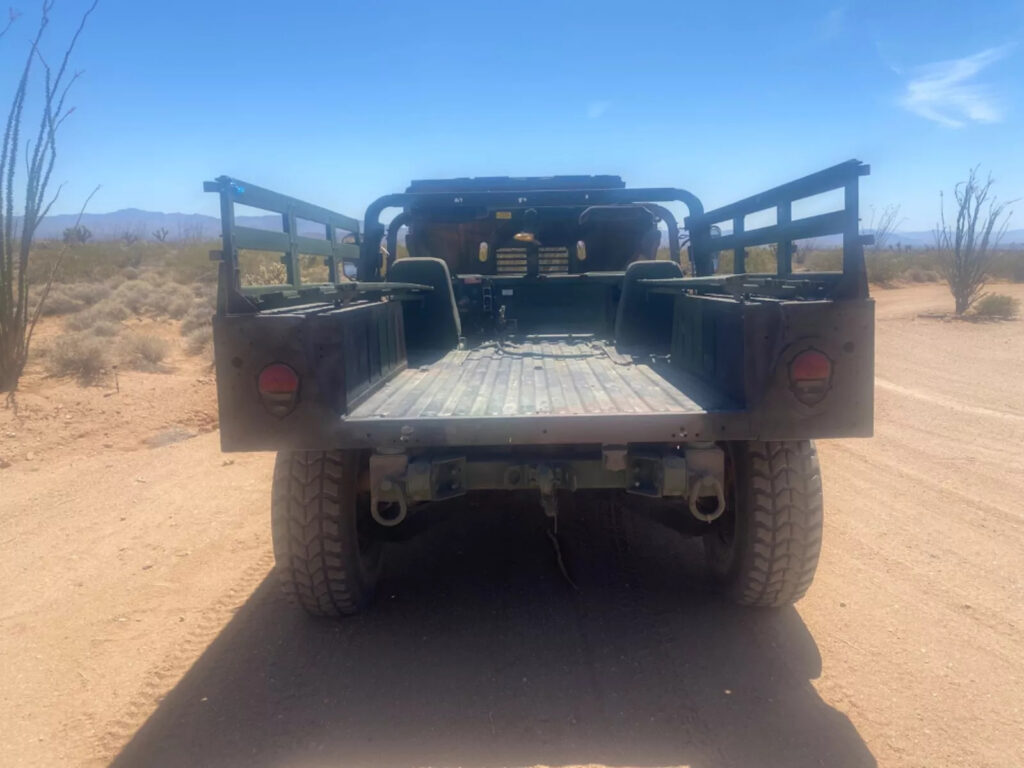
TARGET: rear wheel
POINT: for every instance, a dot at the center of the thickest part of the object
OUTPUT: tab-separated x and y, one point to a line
763	551
320	521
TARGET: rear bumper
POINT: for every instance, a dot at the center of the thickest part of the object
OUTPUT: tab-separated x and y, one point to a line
587	430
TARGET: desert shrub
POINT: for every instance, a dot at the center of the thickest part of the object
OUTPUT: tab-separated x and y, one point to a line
919	275
106	311
195	318
206	293
1016	269
148	297
134	295
157	302
190	263
178	307
883	267
197	340
143	352
261	268
105	329
109	309
997	306
758	259
59	302
822	261
90	293
153	276
312	269
80	321
77	355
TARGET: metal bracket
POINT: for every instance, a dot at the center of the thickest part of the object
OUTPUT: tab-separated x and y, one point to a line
656	474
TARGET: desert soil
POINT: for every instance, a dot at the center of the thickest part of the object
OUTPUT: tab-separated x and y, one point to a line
137	626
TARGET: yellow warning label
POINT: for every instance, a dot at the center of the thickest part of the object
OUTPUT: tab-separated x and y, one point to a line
503	214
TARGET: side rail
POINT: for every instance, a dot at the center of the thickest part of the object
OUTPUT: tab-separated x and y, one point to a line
846	222
339	246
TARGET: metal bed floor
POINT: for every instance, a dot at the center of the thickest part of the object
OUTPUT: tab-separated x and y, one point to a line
538	376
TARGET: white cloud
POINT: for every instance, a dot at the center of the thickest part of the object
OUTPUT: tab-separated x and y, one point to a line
597	108
946	92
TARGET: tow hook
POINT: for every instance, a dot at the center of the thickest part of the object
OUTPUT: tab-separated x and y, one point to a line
707	499
385	514
705	463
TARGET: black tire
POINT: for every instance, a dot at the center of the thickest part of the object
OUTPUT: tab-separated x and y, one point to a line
763	551
319	522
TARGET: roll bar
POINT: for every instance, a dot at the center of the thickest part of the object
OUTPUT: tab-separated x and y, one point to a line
369	263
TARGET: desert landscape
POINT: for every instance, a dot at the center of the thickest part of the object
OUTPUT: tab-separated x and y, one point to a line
138	626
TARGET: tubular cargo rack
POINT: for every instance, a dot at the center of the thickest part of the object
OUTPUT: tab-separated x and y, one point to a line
339	246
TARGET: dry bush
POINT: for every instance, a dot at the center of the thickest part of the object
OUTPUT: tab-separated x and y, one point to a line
884	267
758	259
822	260
143	352
77	355
106	311
918	275
59	302
105	329
191	263
109	309
997	306
134	296
178	307
196	318
90	293
149	297
261	268
197	340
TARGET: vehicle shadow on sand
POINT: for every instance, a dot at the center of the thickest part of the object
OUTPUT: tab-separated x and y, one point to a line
479	653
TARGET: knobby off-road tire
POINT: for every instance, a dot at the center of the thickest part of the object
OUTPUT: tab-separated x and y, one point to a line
764	549
319	519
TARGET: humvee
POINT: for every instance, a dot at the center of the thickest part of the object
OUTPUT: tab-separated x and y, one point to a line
544	337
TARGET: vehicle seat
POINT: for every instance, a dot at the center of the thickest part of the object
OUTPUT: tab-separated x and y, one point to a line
645	318
432	320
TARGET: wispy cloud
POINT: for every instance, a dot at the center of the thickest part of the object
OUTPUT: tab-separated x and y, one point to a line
597	108
948	93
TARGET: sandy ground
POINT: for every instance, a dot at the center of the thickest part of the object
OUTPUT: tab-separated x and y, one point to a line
136	625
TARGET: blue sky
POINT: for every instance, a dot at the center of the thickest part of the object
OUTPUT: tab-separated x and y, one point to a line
339	103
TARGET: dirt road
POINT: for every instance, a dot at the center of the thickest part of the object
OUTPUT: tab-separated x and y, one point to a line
136	625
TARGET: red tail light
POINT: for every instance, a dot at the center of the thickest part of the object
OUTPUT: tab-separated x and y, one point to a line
810	376
278	386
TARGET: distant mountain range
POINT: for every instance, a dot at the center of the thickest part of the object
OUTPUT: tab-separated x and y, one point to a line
179	226
192	226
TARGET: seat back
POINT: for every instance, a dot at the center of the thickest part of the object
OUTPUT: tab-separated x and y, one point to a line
431	321
645	318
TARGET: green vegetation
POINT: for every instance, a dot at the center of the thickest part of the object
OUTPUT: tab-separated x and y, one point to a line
997	306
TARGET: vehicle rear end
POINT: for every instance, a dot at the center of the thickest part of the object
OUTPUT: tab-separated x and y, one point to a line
541	338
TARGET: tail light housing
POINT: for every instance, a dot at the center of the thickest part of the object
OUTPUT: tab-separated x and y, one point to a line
810	376
278	385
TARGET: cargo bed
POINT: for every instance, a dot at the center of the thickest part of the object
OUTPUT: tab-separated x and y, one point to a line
536	390
563	376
